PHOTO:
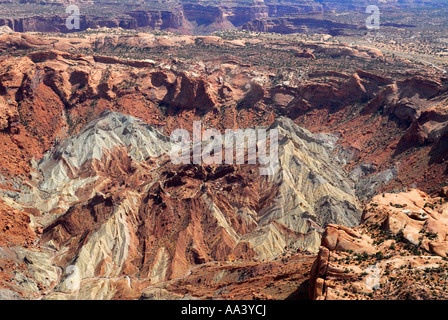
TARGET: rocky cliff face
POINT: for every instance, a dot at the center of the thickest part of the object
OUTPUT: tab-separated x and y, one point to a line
190	17
180	16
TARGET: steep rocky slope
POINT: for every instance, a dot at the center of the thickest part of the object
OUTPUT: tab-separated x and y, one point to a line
285	277
110	202
88	188
391	127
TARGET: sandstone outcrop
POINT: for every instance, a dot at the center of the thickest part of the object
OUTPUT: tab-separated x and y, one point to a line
400	245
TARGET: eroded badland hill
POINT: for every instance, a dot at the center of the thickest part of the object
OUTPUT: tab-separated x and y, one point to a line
357	208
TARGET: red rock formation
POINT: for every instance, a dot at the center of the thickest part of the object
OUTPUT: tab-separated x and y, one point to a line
282	278
171	217
401	243
179	16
